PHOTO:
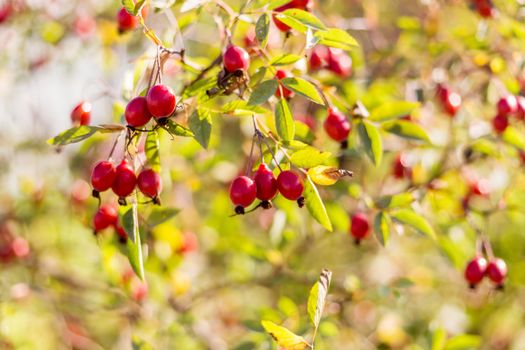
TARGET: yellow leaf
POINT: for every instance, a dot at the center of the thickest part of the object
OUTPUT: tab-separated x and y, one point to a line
327	175
286	339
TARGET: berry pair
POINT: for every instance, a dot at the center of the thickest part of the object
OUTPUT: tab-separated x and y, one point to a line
450	100
160	102
337	126
508	106
335	60
477	268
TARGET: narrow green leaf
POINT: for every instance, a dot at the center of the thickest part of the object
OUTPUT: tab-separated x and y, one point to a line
416	221
263	92
300	20
371	140
463	342
439	339
338	38
177	129
138	7
161	214
240	107
395	201
382	224
152	150
285	59
200	124
284	121
277	3
392	110
304	88
309	157
406	129
317	297
73	135
262	28
285	338
130	223
513	137
315	204
129	5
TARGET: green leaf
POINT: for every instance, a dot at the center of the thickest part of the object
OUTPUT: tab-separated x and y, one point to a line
200	124
338	38
406	129
129	5
285	59
240	107
300	20
439	339
277	3
262	28
416	221
177	129
304	88
138	7
130	223
309	157
285	338
463	342
263	92
392	110
80	133
382	224
284	121
315	204
161	214
513	137
152	149
371	140
317	297
395	201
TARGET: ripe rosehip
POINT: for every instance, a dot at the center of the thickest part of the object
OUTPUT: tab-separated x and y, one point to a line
235	58
475	271
137	113
452	103
507	105
6	253
497	271
290	185
281	74
125	179
161	101
520	114
243	192
484	8
359	226
301	4
81	114
126	21
150	183
265	182
401	169
103	176
319	57
500	123
337	125
105	217
340	62
280	25
190	243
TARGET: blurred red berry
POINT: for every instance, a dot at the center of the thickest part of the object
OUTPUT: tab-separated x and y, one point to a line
81	114
337	125
359	226
475	270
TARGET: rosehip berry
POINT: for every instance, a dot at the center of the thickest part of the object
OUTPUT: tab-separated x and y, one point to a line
103	176
150	183
319	57
290	185
161	101
500	123
243	192
337	125
81	114
137	113
507	105
451	103
301	4
401	168
520	114
126	21
475	271
265	182
281	74
359	226
484	8
340	62
497	271
280	25
235	58
125	179
105	217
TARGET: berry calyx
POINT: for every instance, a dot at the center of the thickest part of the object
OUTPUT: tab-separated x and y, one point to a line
243	192
497	271
137	113
359	226
337	126
103	176
126	21
149	183
286	93
81	114
235	58
291	186
105	217
161	101
266	183
125	179
475	270
507	105
500	123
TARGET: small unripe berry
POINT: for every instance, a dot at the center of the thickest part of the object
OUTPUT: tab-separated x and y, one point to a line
81	114
243	192
290	185
235	58
337	126
507	105
103	176
161	101
105	217
137	113
126	21
497	271
149	183
359	226
125	179
475	270
500	123
265	182
286	93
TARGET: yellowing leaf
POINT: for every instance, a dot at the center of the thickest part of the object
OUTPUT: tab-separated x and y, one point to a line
327	175
317	297
286	339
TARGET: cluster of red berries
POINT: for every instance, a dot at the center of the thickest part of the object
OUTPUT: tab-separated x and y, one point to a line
485	8
507	107
264	186
81	114
294	4
450	100
477	268
359	227
160	102
335	60
127	22
337	126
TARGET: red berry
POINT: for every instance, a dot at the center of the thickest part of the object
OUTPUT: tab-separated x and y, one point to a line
301	4
340	63
265	182
6	253
401	168
480	188
190	243
359	226
5	11
161	101
105	217
126	21
337	126
122	235
137	113
280	25
500	123
507	105
235	58
452	103
475	270
243	191
125	179
484	8
319	57
81	114
150	183
520	114
290	185
103	176
497	271
281	74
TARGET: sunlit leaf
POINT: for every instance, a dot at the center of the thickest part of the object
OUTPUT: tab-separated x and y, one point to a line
309	157
395	201
317	297
315	204
240	107
304	88
130	223
371	140
382	224
152	150
285	59
263	91
416	221
514	137
393	110
406	129
177	129
200	124
463	342
284	121
77	134
327	175
338	38
285	338
159	215
262	28
300	20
